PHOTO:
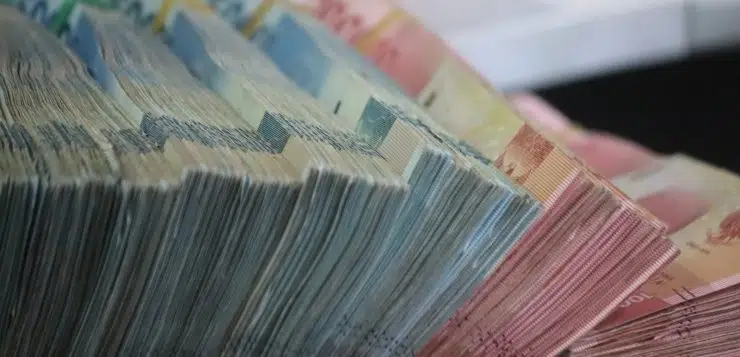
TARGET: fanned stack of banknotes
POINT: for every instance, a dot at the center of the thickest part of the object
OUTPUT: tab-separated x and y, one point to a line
264	178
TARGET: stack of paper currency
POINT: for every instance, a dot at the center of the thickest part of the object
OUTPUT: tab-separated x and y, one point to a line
247	184
465	105
531	303
432	278
690	308
154	212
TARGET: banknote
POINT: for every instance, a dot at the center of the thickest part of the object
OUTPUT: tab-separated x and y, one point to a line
527	156
317	63
409	149
708	245
459	98
678	171
692	327
60	122
406	50
390	36
505	317
282	196
355	210
455	91
441	95
312	60
349	19
425	67
467	106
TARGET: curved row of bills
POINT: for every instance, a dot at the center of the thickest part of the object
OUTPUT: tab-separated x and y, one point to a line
469	108
152	212
350	87
390	131
352	97
400	132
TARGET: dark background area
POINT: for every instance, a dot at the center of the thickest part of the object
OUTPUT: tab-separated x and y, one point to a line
689	106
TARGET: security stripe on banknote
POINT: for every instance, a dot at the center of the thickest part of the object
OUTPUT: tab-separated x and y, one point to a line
255	14
152	135
278	127
158	129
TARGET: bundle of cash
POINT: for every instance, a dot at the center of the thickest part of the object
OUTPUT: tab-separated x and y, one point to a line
689	309
686	309
70	226
344	226
359	196
524	307
396	295
245	183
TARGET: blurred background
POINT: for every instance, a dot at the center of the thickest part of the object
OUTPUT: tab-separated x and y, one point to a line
663	73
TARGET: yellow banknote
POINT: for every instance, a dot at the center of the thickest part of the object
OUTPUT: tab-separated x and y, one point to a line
465	105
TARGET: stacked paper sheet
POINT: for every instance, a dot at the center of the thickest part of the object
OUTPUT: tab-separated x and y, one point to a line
689	308
539	309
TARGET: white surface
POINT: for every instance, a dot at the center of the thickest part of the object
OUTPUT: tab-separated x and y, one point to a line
540	42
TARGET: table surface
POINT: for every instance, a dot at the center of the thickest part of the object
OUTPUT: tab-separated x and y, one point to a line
530	44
